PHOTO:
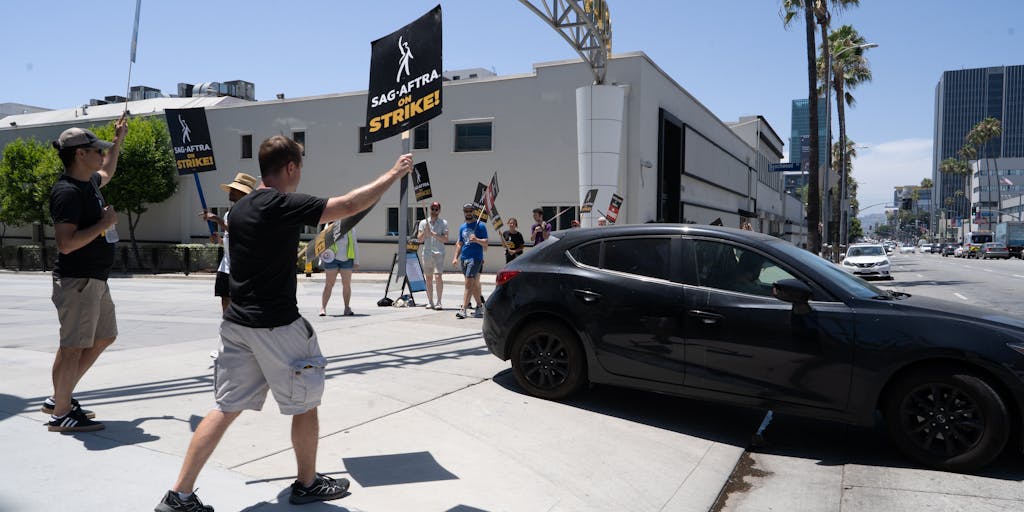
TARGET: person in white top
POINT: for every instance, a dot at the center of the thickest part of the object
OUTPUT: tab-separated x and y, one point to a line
433	234
341	258
242	185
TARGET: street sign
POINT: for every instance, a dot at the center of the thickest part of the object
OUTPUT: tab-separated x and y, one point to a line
786	167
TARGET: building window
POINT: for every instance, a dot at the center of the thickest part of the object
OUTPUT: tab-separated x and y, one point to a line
300	137
363	146
421	136
560	217
415	215
246	146
473	137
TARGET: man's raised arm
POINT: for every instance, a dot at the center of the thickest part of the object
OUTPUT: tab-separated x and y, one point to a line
366	195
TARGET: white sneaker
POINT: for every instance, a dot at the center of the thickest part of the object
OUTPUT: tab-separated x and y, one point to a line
461	314
438	306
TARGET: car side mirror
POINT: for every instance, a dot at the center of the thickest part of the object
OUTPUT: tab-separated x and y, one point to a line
795	292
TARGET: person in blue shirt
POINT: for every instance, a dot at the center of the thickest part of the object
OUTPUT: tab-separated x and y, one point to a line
469	254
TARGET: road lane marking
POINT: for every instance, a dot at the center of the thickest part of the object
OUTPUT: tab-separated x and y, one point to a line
961	297
1018	275
919	275
987	270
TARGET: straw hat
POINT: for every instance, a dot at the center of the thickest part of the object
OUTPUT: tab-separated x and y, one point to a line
242	183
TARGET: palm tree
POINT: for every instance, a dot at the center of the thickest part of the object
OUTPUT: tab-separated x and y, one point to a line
839	154
790	9
849	69
979	136
813	10
960	167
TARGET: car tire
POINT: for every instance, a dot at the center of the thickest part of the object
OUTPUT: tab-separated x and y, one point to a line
916	419
548	361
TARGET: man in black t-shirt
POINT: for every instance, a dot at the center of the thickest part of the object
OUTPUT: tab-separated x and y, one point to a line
265	343
83	227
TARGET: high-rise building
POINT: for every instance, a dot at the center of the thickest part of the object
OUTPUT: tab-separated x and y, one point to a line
962	98
800	124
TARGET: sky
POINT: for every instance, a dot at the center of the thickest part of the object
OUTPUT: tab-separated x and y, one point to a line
735	57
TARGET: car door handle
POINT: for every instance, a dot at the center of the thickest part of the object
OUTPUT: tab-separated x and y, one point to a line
587	295
705	317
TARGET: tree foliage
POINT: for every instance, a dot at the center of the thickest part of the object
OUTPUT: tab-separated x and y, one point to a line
146	173
28	170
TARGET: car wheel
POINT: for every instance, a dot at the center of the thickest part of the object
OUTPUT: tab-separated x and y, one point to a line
548	361
947	419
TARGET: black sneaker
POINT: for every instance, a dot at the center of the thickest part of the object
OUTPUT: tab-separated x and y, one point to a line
172	503
48	406
73	421
324	488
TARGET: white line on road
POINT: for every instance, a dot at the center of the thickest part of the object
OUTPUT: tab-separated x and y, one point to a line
961	297
1018	275
919	275
987	270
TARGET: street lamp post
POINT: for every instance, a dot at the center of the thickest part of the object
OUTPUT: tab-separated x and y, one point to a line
842	144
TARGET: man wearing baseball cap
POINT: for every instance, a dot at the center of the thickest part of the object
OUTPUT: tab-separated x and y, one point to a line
242	185
433	235
469	253
83	227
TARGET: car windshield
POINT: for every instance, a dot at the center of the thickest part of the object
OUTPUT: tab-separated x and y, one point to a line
853	285
993	245
870	250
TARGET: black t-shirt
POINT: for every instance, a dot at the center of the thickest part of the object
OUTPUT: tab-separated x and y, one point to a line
80	203
265	228
513	241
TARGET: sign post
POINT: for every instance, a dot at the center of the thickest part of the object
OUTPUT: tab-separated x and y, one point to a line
404	92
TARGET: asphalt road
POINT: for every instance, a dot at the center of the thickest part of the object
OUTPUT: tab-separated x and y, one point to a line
995	284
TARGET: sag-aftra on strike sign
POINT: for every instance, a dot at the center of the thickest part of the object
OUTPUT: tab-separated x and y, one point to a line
405	78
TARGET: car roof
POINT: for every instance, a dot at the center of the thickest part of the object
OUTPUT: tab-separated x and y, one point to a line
576	235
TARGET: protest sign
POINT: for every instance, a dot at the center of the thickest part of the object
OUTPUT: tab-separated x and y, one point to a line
588	201
405	78
613	208
421	181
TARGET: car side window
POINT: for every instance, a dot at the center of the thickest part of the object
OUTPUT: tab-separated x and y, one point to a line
728	267
588	254
648	257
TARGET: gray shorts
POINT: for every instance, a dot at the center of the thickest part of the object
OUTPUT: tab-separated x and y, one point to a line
432	263
286	360
85	311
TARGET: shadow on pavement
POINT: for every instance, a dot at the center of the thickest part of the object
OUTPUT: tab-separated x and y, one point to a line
401	356
117	434
282	504
706	420
394	469
830	443
837	444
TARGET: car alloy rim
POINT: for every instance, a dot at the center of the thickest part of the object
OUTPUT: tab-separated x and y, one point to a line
942	420
545	361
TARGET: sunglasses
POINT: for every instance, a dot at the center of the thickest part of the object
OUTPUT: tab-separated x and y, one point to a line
434	209
98	150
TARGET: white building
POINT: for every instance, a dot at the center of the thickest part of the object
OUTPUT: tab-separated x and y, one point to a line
996	188
679	162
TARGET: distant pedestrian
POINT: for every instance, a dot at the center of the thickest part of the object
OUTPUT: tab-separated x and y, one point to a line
265	342
81	219
433	234
242	185
469	255
540	230
574	224
514	241
339	259
746	226
601	221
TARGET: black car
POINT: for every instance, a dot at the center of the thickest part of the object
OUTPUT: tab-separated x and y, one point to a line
735	316
948	249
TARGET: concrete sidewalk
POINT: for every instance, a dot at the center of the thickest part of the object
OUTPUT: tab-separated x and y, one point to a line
417	414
